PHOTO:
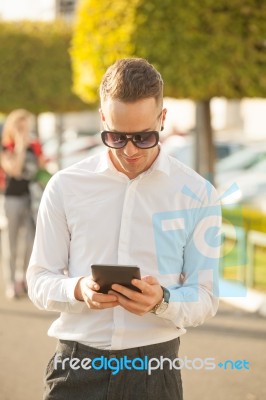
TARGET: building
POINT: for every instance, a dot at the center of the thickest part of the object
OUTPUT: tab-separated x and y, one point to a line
44	10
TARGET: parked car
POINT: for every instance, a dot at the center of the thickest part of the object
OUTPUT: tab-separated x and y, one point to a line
71	151
239	163
250	187
183	148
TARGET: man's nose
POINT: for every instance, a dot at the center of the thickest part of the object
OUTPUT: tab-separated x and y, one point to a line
130	150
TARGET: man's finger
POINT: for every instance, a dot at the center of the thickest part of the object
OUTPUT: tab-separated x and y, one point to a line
90	283
103	298
101	306
151	280
143	285
130	305
125	302
129	293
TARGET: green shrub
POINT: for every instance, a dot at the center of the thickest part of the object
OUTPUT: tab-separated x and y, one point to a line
202	48
35	68
246	217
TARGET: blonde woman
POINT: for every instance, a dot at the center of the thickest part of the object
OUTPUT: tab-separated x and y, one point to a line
20	159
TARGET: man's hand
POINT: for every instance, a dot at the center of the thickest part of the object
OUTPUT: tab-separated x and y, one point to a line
86	290
139	303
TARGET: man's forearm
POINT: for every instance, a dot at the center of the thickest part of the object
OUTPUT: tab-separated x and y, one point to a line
52	292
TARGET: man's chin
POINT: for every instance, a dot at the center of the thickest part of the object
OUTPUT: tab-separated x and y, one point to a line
132	170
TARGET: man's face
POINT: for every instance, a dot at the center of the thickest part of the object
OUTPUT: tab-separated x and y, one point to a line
142	115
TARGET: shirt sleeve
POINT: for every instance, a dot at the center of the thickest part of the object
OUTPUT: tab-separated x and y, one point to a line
49	286
196	297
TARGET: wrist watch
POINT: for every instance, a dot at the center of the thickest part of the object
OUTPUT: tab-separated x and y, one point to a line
163	305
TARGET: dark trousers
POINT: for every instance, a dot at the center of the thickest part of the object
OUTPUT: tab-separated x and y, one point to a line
18	213
72	380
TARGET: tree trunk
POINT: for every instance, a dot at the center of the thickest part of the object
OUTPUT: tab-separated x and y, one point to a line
204	147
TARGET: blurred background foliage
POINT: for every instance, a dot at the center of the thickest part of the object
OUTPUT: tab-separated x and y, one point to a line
202	48
35	67
246	217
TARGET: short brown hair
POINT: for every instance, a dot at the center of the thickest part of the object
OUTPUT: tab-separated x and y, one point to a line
131	79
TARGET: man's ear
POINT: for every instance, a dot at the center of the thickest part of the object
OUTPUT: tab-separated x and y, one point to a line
164	112
101	115
164	115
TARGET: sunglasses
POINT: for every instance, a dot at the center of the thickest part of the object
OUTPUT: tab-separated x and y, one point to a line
142	140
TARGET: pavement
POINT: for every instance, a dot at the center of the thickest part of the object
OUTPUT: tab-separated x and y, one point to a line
232	335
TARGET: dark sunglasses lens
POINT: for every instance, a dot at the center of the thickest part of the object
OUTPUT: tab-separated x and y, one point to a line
114	140
146	140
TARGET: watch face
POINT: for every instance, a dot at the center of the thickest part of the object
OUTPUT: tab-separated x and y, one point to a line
162	307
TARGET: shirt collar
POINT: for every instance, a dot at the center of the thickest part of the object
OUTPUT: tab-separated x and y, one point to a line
161	163
104	162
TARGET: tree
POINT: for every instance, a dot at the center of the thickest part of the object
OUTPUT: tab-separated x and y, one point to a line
202	48
35	68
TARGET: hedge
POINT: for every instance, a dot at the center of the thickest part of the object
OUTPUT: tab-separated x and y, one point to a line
35	67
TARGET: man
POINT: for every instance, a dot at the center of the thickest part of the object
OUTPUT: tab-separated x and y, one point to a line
121	207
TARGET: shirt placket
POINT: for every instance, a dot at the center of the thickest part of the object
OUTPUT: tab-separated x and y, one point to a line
119	328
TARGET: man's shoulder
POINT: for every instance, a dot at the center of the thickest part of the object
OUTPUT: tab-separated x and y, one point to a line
179	169
191	183
83	167
76	175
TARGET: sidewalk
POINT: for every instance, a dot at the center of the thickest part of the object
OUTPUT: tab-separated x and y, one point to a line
233	334
249	300
25	348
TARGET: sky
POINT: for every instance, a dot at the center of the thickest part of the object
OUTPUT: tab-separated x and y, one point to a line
27	9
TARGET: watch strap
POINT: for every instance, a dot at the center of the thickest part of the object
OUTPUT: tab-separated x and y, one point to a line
166	294
165	299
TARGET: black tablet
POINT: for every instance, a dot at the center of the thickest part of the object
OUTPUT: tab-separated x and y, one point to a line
107	274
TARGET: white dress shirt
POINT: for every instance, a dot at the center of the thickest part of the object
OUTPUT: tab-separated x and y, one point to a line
163	221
